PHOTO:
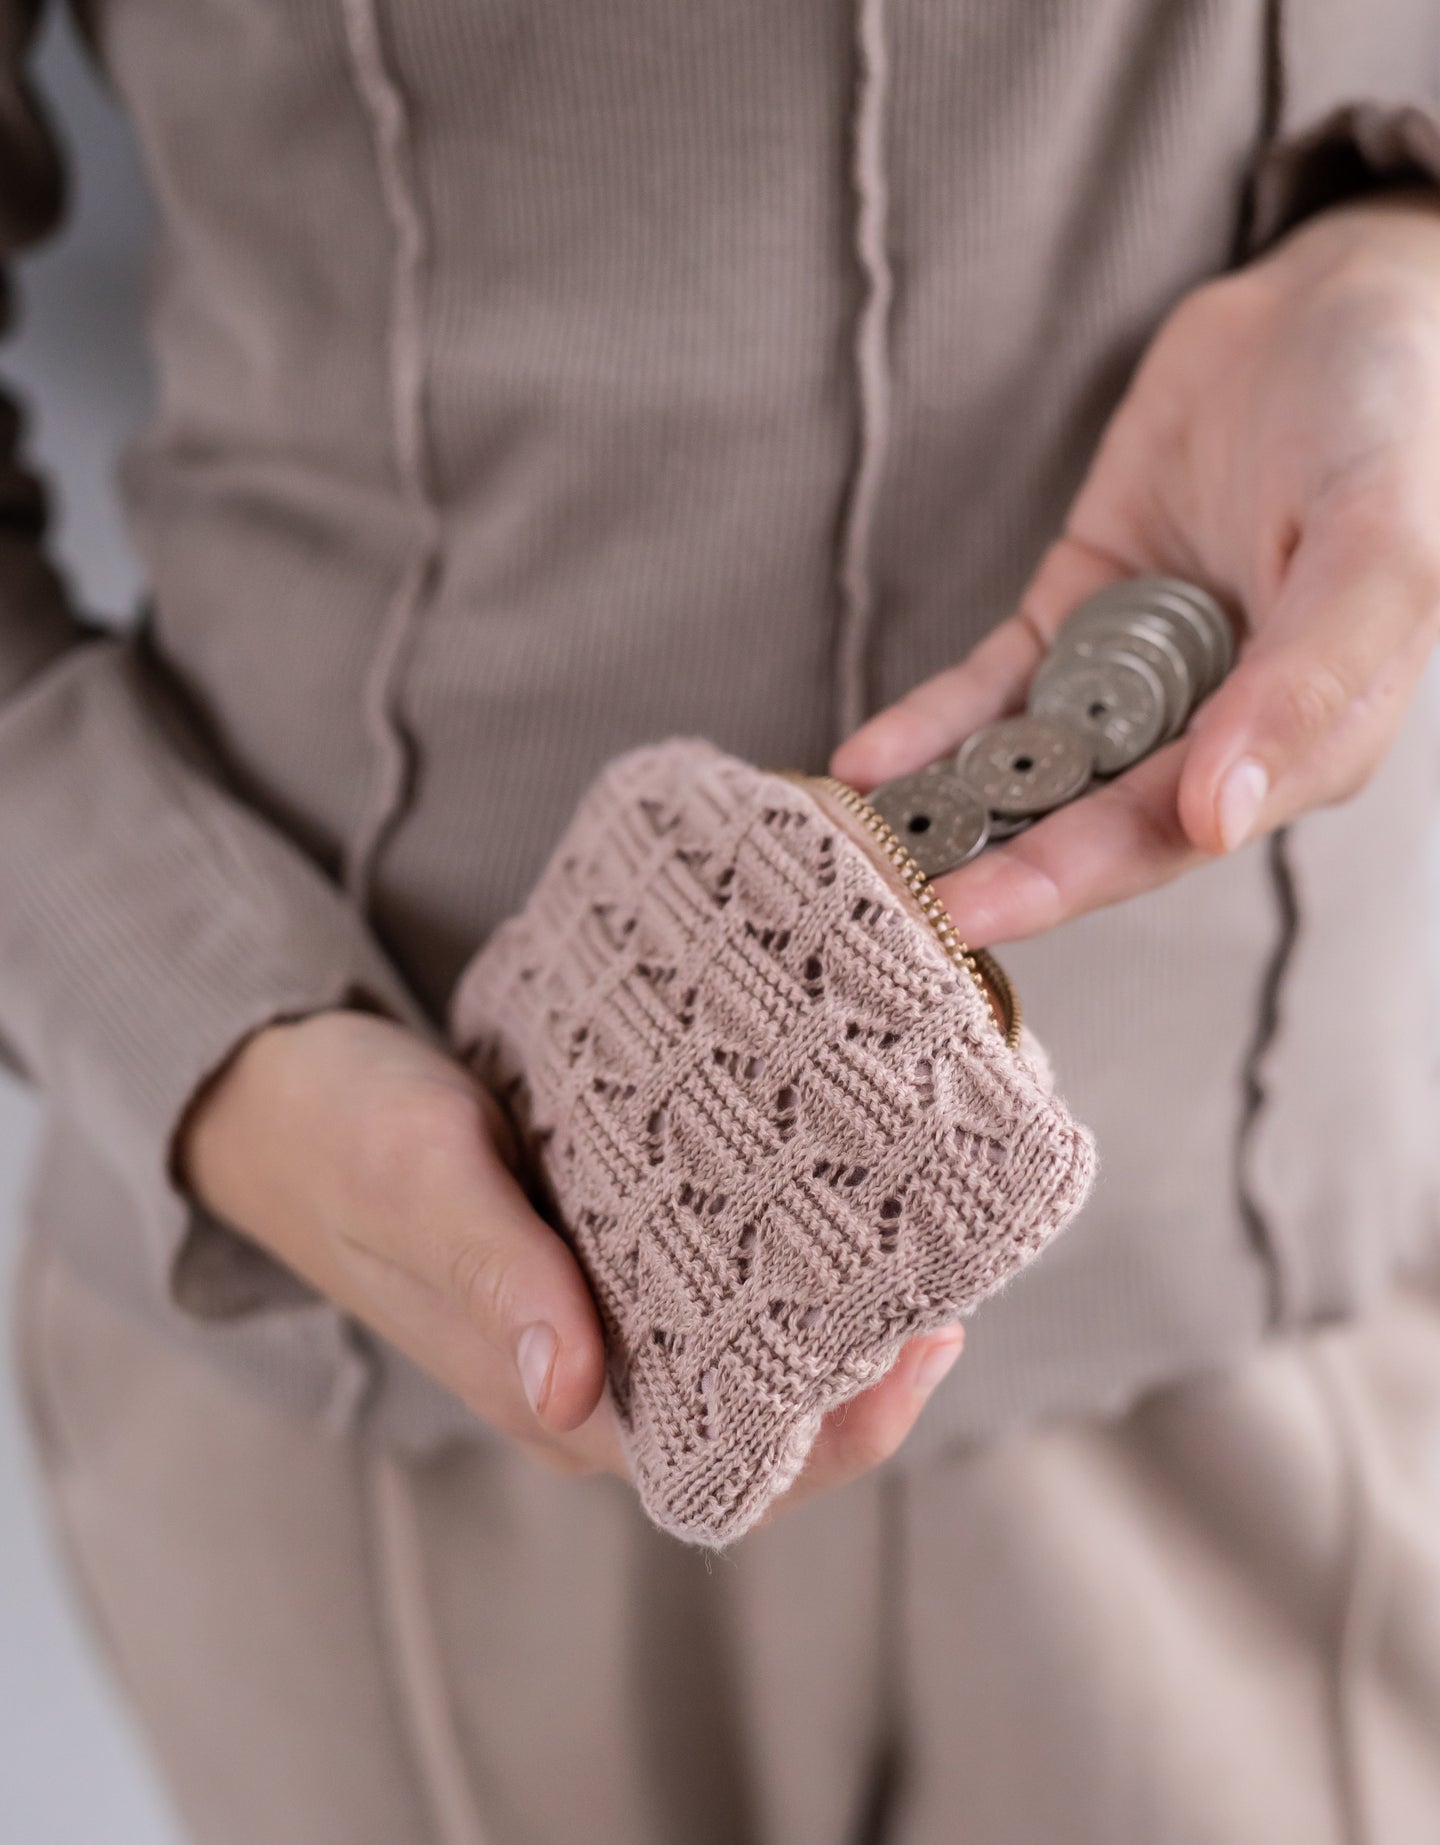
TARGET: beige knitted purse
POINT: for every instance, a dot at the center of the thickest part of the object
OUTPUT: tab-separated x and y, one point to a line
763	1091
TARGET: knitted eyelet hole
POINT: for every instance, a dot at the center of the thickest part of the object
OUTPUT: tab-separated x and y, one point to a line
744	1257
838	1173
657	1132
724	887
814	977
891	1211
705	1391
662	818
776	940
787	1110
924	1079
615	927
825	862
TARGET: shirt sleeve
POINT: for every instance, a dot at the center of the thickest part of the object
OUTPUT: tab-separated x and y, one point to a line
1359	148
1353	104
149	920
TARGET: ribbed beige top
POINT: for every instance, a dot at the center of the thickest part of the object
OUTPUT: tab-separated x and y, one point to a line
539	381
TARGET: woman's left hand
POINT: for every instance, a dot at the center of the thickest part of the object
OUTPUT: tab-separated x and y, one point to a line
1280	444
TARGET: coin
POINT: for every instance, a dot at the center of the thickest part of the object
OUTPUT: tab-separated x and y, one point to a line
936	816
1188	606
1211	613
1145	636
1026	765
1118	701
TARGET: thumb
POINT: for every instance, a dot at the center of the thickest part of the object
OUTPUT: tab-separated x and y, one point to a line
1260	744
480	1243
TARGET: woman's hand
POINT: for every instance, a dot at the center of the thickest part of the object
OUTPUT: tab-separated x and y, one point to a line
1280	445
378	1169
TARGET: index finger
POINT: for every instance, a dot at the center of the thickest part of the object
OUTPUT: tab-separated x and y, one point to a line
937	715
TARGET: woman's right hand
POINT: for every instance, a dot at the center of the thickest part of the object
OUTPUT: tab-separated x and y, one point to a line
379	1170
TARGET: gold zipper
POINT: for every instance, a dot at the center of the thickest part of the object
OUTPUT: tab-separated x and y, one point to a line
982	967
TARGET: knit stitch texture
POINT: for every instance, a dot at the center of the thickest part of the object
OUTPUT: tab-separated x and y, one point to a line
774	1120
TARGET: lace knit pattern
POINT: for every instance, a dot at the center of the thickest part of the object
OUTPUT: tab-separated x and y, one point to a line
775	1122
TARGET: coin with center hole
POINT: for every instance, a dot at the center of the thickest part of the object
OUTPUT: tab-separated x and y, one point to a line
935	816
1026	765
1118	702
1144	636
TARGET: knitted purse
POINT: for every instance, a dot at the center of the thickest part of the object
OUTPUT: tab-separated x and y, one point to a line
760	1088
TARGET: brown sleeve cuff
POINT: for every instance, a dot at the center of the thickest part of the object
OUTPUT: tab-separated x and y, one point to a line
1356	149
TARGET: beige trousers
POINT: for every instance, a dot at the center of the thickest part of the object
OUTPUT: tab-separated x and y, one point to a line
1216	1622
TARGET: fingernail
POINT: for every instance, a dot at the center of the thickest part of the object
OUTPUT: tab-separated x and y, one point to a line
534	1356
936	1363
1242	795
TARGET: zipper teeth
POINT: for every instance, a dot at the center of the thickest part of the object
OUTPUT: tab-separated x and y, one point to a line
978	963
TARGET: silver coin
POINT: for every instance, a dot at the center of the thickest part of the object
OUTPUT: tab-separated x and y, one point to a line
1192	612
1195	607
935	815
1144	636
1026	765
1002	827
1176	590
1118	702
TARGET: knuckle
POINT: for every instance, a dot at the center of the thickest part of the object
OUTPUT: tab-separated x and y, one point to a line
402	1137
1311	698
479	1278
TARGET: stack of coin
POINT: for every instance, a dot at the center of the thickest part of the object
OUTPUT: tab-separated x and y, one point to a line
1126	670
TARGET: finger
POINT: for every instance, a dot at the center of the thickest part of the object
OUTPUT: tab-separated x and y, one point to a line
1121	839
1349	603
452	1215
1346	757
870	1427
937	716
1359	743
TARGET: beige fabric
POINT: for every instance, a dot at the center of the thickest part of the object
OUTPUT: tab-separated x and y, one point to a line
538	381
1214	1623
781	1125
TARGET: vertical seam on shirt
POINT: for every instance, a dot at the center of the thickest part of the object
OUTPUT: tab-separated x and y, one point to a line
1254	1090
882	1791
1365	1572
871	362
415	1661
391	749
1275	81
